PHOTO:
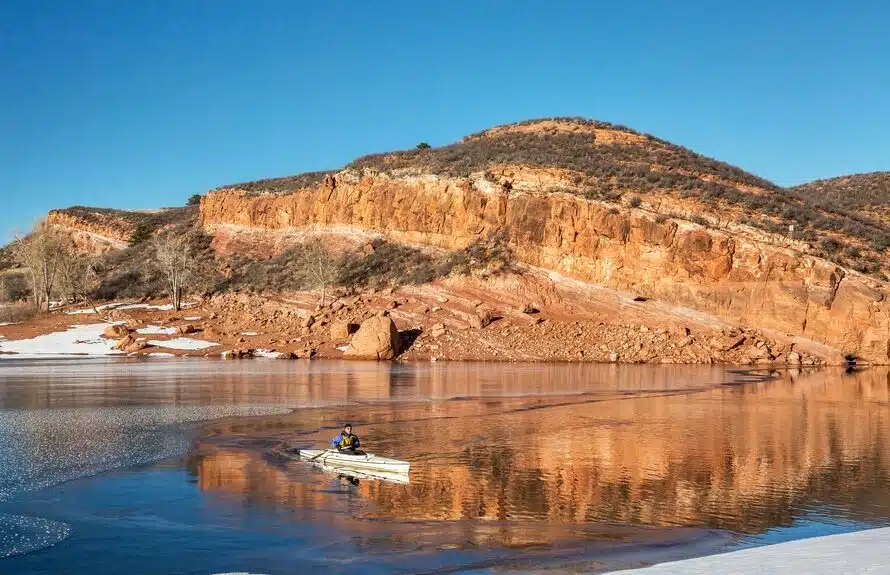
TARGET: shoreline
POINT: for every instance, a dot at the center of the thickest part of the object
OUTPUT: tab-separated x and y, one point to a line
431	326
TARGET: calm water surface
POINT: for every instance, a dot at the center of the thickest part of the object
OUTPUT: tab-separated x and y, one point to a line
186	467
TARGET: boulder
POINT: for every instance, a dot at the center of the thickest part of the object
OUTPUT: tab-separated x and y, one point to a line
377	338
237	354
528	308
731	342
136	346
185	329
480	319
342	329
124	342
756	353
308	321
116	331
680	331
794	357
438	330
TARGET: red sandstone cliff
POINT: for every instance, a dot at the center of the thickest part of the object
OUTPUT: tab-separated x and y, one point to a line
725	269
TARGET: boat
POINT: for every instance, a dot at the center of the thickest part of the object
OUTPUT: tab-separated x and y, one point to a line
367	462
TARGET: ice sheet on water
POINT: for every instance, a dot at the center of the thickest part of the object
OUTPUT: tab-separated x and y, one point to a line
41	448
20	535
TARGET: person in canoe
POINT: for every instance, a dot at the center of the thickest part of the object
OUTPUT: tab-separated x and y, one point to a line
347	442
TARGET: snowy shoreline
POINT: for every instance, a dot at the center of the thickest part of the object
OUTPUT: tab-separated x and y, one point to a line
862	552
86	341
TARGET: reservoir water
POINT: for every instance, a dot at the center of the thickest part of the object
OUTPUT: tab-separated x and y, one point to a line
186	466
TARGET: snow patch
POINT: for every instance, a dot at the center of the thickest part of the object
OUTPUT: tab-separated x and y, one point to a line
193	318
160	354
6	323
268	353
249	333
76	340
156	330
108	306
184	343
859	552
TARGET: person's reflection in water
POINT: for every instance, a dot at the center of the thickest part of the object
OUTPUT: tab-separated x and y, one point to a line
347	480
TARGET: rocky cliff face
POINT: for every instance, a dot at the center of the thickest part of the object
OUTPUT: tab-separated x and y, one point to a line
94	234
722	269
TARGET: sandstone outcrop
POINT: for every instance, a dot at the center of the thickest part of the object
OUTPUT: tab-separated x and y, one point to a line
732	272
96	235
377	338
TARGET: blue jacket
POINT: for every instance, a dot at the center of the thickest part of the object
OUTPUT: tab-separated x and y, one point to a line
335	443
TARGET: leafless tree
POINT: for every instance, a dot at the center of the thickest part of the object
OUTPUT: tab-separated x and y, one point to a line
175	260
78	276
41	253
321	267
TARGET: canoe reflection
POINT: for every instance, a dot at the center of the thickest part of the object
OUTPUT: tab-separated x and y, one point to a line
353	476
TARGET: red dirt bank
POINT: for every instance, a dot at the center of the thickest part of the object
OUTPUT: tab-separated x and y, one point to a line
527	317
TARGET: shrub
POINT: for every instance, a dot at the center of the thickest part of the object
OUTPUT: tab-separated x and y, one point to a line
141	233
635	202
17	312
489	255
14	287
830	245
194	200
388	265
423	146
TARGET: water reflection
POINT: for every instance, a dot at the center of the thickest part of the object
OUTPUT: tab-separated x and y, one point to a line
116	382
639	448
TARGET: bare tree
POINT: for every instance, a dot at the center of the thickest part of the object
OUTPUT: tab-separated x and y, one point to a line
175	260
41	252
321	267
78	276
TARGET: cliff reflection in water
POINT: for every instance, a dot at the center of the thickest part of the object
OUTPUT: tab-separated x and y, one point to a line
646	450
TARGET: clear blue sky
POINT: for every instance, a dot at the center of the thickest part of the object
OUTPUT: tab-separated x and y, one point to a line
139	104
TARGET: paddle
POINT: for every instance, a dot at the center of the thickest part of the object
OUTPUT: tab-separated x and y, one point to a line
314	457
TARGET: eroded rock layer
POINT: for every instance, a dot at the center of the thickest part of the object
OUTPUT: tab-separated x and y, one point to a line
728	271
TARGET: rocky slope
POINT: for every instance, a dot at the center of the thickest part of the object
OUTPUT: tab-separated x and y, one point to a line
717	266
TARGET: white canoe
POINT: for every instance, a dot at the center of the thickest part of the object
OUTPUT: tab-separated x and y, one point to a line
368	462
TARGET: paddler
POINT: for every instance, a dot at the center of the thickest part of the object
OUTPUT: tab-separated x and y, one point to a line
346	441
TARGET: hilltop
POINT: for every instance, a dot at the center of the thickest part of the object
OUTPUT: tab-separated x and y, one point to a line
543	215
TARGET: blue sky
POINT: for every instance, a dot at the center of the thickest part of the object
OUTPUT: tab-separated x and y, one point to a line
133	104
